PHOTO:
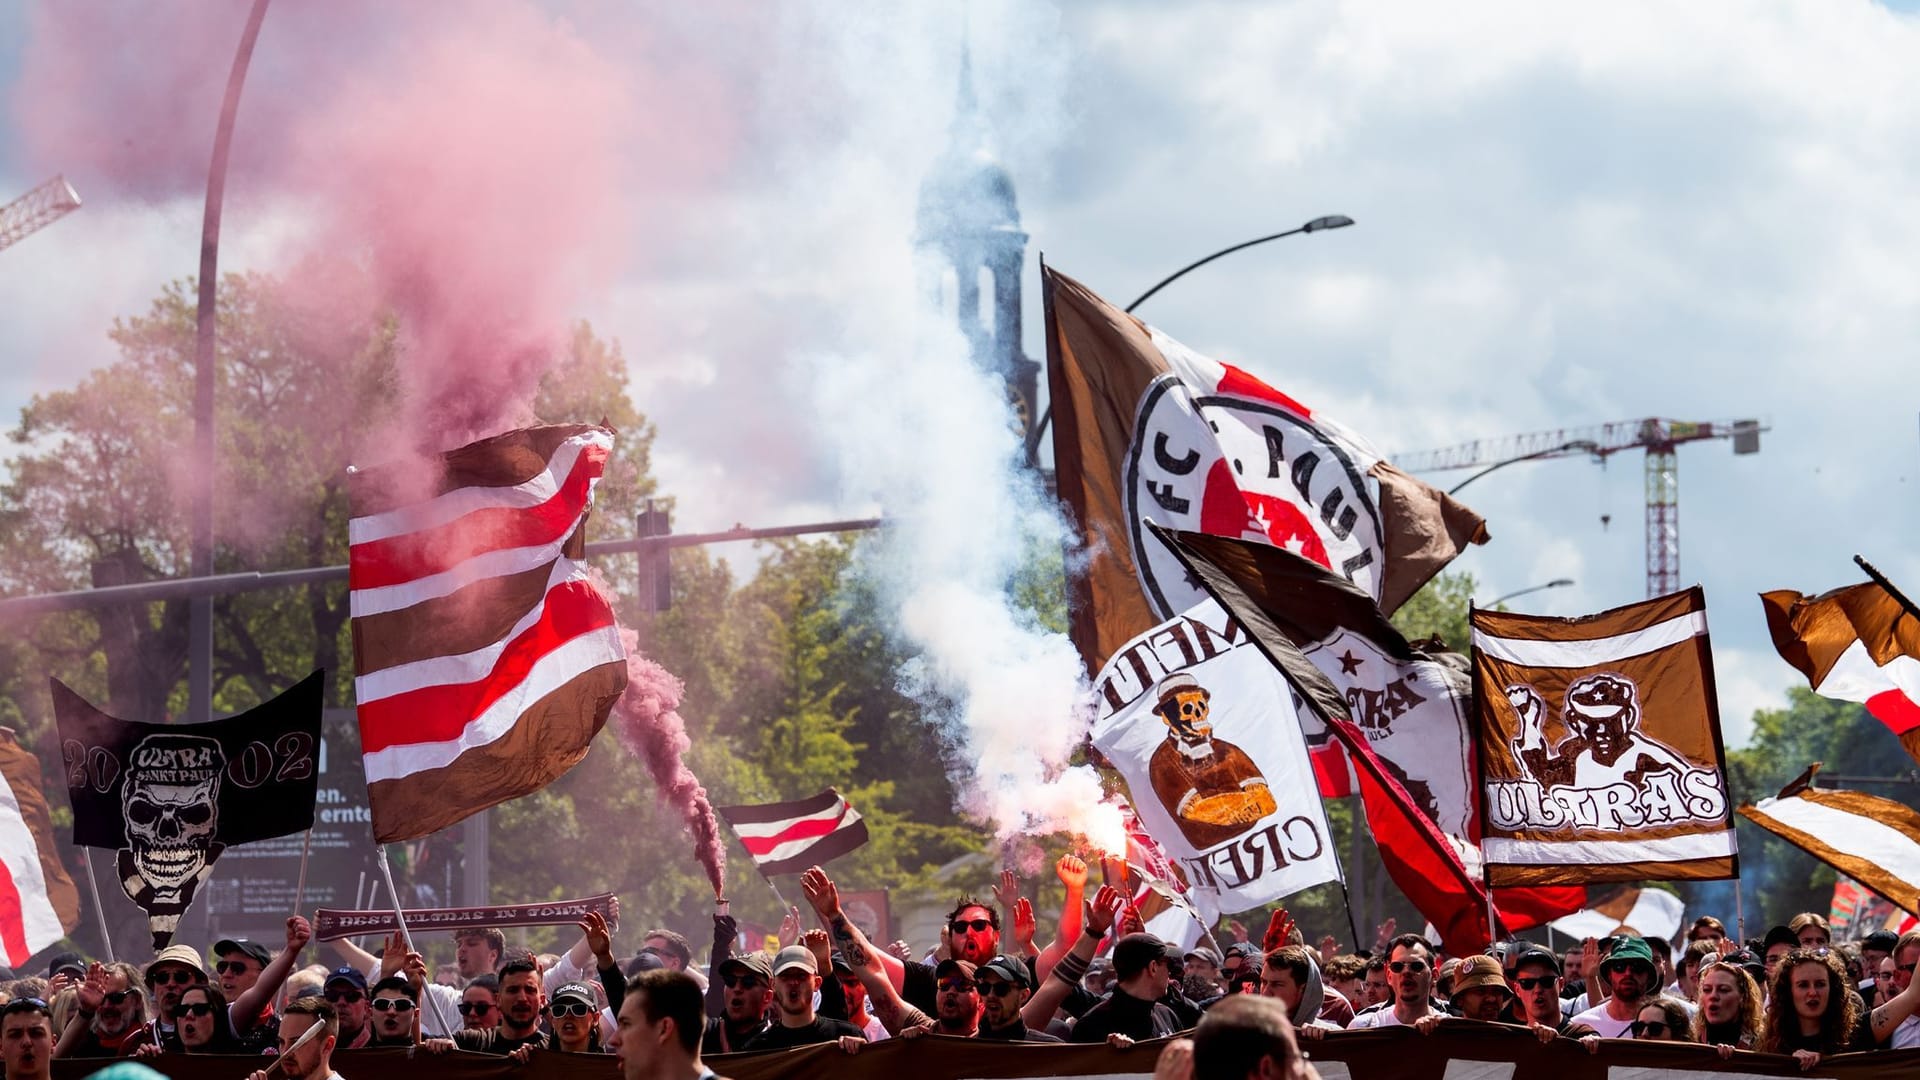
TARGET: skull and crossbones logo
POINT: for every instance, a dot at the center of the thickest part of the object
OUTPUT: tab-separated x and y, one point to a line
171	804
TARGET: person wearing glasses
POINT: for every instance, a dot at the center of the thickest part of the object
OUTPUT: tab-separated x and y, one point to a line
1730	1016
394	1005
1004	984
26	1039
1536	991
110	1016
197	1019
1661	1019
346	992
1630	978
238	965
480	1004
1896	1024
957	1003
1409	982
573	1014
746	985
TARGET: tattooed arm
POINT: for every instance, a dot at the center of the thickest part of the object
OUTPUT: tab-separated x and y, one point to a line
1886	1018
867	962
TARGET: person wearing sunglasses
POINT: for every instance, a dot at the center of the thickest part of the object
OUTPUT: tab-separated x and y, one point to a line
110	1016
1409	967
394	1006
573	1012
1896	1024
238	966
26	1039
1536	991
1661	1019
1630	977
175	968
746	986
480	1004
346	990
1003	985
957	1005
199	1020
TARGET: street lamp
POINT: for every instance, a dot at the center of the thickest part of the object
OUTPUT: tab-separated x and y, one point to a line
1319	224
1587	445
1556	583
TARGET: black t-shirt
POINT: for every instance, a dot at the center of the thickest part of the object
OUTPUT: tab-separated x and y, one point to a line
782	1037
1123	1013
718	1040
496	1041
918	987
1015	1032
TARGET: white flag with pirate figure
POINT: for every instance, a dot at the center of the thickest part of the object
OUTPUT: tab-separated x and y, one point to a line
1204	729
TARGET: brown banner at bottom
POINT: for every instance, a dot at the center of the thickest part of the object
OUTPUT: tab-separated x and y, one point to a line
330	924
1459	1049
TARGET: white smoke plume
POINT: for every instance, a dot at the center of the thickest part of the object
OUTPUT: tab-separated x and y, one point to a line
919	429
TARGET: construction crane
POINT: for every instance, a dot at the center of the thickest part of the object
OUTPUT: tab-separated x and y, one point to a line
36	210
1660	439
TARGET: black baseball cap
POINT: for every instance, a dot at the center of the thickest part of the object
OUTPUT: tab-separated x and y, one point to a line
70	962
1135	951
1779	935
1533	954
1881	941
252	950
1006	967
350	975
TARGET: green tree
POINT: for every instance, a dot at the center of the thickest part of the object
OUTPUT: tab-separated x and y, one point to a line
1439	610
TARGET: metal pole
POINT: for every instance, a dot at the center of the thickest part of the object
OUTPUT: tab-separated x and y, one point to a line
475	885
400	919
200	611
93	886
300	884
17	607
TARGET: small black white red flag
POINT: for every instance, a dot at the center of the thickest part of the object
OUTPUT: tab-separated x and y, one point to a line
788	837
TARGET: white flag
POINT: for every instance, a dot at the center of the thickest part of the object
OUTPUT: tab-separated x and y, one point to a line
1205	731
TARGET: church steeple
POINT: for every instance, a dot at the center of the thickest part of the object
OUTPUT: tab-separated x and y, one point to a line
972	245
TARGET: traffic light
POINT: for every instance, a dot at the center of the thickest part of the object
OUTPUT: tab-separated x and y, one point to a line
656	566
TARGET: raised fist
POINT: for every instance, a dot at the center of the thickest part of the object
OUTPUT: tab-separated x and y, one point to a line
1532	711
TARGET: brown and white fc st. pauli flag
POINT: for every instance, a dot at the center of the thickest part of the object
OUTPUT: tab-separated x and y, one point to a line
1872	840
1146	429
1599	746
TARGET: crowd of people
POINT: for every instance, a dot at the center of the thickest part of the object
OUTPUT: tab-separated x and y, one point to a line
1102	979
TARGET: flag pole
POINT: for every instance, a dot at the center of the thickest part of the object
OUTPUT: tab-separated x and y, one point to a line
400	919
93	886
1880	579
300	883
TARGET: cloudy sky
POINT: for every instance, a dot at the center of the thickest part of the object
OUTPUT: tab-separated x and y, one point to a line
1568	215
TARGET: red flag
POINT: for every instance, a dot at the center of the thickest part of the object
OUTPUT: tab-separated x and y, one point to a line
1252	581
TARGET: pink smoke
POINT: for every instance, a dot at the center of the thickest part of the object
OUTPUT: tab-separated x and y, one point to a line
484	170
645	720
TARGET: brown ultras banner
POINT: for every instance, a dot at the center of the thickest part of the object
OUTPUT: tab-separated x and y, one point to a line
1599	746
1457	1048
1145	429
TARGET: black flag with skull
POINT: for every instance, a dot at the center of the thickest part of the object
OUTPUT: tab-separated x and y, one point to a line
171	797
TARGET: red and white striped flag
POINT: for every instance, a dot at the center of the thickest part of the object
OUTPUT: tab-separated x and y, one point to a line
1854	644
486	659
788	837
38	903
